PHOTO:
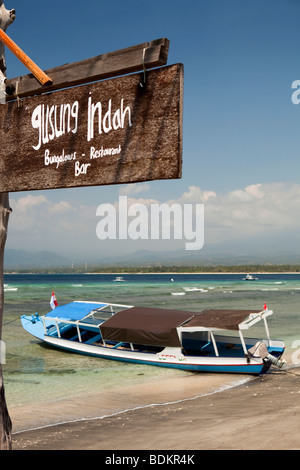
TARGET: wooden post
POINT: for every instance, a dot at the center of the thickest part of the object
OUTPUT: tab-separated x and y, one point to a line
5	422
6	18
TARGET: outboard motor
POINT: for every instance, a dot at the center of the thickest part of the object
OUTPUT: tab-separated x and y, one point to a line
275	361
261	350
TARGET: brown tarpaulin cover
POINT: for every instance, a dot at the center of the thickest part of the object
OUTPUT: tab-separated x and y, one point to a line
222	319
150	326
157	327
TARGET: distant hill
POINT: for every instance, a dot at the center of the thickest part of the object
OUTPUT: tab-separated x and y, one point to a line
229	253
21	259
259	251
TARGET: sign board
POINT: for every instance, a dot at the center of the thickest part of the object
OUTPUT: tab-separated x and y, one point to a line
120	130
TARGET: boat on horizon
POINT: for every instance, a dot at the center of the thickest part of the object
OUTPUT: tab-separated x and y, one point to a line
119	279
249	277
207	341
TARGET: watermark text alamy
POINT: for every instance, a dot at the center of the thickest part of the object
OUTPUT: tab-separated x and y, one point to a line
155	222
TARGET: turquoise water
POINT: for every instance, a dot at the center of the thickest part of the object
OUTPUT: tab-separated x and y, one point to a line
34	373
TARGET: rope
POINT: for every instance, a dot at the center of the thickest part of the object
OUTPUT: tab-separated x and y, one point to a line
12	321
289	372
144	67
16	93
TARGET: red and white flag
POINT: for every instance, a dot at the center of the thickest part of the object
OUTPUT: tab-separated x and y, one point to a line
53	301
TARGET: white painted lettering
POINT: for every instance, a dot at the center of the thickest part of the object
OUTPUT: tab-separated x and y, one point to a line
36	122
102	152
57	159
54	121
52	135
74	113
107	119
123	114
81	169
111	120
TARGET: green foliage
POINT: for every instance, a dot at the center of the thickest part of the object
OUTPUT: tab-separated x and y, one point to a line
114	269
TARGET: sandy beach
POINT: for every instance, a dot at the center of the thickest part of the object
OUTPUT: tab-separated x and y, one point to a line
262	414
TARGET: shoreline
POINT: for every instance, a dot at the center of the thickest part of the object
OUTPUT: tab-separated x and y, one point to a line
243	417
113	273
161	390
192	273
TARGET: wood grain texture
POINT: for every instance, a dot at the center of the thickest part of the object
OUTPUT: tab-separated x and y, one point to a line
139	138
124	61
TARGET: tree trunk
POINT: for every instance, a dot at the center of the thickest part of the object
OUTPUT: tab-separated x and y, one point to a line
6	18
5	422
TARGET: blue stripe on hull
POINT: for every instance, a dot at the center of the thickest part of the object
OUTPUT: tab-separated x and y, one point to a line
37	330
255	369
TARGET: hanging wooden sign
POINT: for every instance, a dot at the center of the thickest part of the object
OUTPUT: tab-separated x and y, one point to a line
115	131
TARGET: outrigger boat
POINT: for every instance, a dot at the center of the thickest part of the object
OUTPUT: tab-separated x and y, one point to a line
171	338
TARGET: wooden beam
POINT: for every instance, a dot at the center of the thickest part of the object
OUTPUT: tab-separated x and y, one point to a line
124	61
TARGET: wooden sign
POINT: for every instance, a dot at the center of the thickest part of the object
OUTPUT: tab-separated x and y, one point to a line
115	131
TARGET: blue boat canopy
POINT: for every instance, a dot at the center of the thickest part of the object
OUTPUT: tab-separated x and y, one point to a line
75	310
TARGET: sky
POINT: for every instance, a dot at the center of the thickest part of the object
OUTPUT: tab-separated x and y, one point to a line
241	130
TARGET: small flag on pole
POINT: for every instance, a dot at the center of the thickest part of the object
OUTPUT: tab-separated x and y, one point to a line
265	307
53	301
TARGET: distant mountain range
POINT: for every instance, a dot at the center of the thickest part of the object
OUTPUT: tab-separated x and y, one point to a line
275	249
204	258
229	253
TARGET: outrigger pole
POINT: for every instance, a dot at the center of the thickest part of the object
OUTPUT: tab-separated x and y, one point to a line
34	69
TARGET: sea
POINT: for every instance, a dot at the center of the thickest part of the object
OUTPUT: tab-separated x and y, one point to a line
46	386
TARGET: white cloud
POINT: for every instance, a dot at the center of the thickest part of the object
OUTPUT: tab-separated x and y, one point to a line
256	209
28	202
133	188
247	212
61	207
37	223
195	195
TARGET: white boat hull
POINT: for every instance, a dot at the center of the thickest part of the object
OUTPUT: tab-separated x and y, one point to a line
166	358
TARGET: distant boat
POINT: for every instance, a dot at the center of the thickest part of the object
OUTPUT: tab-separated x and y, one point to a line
191	289
249	277
7	288
195	289
119	279
194	341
